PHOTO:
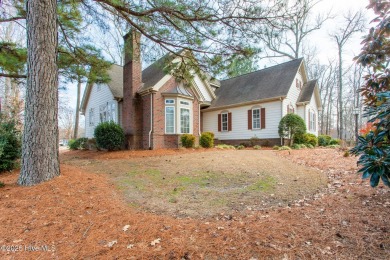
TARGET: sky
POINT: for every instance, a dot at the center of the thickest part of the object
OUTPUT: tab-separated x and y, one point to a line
326	49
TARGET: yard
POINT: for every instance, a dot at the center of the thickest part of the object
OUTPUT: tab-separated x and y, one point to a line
191	204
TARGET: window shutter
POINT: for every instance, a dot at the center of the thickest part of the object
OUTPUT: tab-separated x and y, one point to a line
309	120
262	118
219	122
230	121
315	122
250	119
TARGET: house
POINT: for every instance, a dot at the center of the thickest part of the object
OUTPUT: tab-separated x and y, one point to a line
154	108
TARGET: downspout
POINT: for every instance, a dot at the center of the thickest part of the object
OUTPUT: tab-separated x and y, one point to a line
151	121
281	116
199	121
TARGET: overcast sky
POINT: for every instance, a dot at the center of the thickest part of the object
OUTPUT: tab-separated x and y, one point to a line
326	48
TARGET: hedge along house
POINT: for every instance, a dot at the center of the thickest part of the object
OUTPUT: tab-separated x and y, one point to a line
155	109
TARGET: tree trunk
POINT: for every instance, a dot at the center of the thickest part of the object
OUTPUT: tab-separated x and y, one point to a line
40	159
76	123
340	108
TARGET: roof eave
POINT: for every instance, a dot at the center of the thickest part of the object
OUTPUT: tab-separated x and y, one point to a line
264	100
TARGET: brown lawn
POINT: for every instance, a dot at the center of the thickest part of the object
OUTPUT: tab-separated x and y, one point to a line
82	214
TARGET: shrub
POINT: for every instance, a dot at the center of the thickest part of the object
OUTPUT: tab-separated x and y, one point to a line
309	146
187	140
109	135
254	141
291	125
296	146
334	146
311	139
323	140
240	147
257	147
335	141
306	138
78	144
303	146
346	153
275	147
206	139
10	145
225	146
284	148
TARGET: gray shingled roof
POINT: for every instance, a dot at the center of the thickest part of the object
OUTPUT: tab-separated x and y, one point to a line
116	83
263	84
307	91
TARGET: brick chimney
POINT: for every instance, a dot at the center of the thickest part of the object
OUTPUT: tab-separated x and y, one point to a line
132	81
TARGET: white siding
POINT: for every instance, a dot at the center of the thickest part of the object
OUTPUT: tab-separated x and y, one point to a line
240	122
202	88
293	95
96	99
312	106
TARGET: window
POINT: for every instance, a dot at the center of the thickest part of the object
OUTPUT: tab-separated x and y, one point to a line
103	113
169	120
91	117
224	121
169	101
290	109
256	118
184	120
107	112
98	87
298	83
185	103
312	121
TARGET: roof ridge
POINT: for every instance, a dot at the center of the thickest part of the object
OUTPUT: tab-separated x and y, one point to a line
262	69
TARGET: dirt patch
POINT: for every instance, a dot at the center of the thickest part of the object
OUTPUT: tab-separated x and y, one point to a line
207	183
80	215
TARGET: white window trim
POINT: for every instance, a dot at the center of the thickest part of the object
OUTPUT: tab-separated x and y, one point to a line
189	120
227	122
253	119
174	120
167	103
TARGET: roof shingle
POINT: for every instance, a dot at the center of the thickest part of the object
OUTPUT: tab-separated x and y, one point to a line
263	84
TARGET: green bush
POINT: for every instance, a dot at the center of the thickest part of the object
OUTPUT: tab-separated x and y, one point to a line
335	141
305	138
296	146
10	145
257	147
254	141
309	146
311	139
206	139
303	146
334	146
323	140
291	125
240	147
275	147
109	135
187	140
78	144
284	148
225	146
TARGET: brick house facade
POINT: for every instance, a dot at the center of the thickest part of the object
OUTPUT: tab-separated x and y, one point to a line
155	109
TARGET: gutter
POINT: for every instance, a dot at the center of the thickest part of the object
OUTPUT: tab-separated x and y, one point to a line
245	103
281	116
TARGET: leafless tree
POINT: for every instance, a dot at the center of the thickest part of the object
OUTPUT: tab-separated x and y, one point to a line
287	38
353	22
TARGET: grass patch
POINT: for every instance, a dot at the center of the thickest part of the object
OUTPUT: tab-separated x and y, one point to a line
225	146
200	179
266	184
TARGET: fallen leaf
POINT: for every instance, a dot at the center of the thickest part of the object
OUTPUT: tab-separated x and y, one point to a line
112	243
125	228
155	242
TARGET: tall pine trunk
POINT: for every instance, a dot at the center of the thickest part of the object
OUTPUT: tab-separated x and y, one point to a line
340	98
40	158
76	123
